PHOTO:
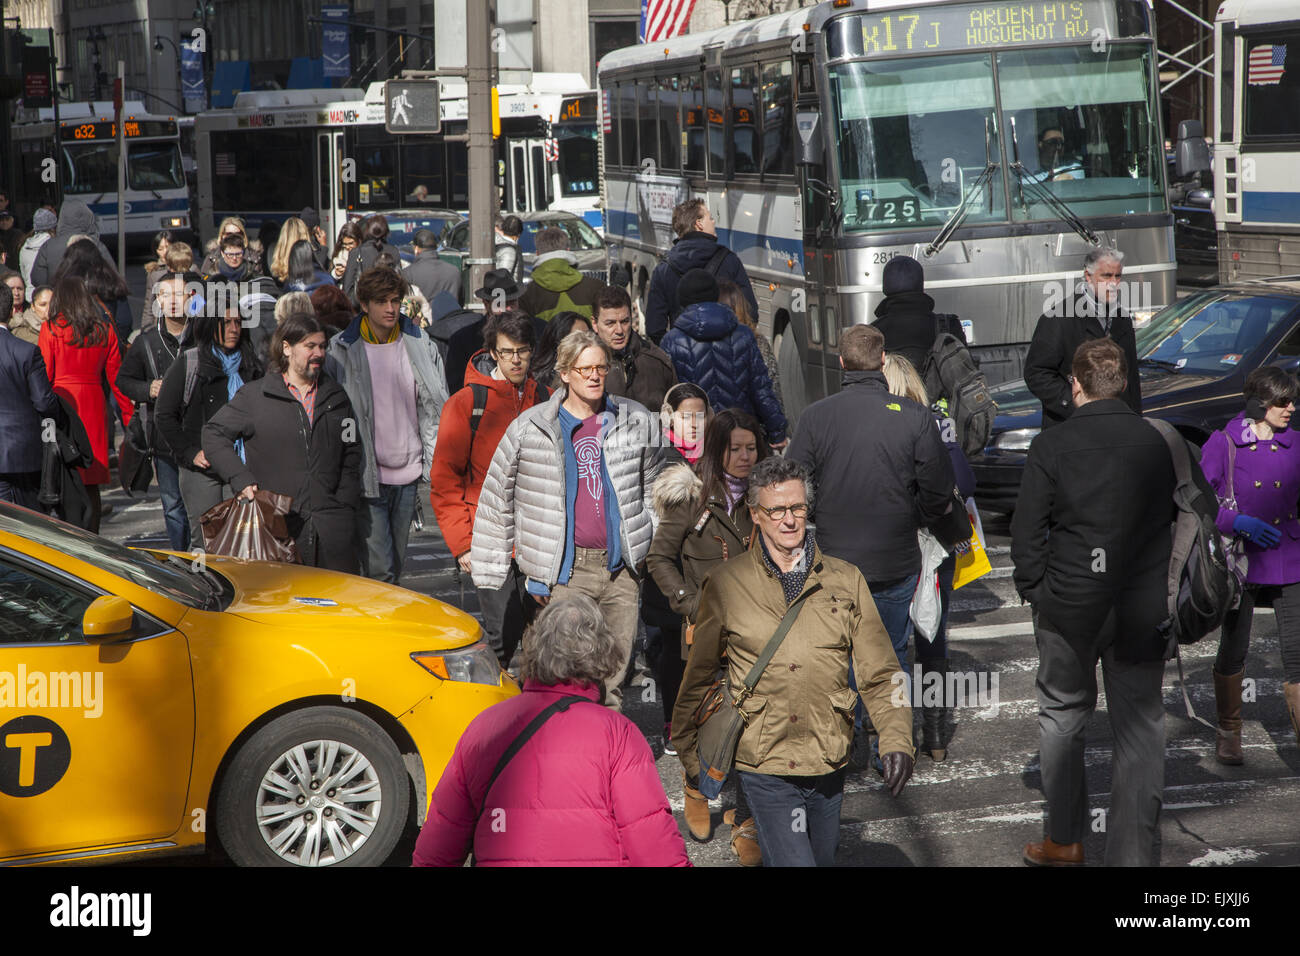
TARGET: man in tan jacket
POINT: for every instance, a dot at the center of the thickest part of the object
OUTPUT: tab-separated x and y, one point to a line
799	721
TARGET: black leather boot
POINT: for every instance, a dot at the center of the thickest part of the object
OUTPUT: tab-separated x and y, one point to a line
932	715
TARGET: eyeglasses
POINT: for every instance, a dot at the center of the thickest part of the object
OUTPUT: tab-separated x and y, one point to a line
780	511
514	353
586	371
233	253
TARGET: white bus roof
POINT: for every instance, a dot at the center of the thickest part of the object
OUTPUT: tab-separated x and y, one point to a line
100	109
1250	12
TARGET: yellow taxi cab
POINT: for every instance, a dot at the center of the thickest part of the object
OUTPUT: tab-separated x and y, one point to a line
150	701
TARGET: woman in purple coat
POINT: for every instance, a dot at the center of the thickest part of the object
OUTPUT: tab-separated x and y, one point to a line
1264	455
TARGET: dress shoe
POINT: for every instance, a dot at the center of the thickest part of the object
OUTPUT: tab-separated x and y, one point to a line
744	843
1050	853
698	822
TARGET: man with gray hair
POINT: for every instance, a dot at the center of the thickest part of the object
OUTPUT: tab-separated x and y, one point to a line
1095	311
427	272
794	748
557	285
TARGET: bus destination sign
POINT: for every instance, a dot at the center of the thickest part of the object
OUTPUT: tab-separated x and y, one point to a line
975	27
132	128
578	109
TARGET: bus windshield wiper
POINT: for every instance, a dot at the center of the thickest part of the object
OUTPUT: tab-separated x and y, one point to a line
1162	364
959	214
1056	203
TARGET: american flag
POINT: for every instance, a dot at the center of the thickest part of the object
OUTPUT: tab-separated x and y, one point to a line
606	117
1266	64
663	19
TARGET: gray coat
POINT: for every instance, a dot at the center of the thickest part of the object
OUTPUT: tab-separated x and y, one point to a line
346	362
523	504
431	275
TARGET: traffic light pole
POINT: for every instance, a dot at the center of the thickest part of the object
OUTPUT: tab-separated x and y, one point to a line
481	155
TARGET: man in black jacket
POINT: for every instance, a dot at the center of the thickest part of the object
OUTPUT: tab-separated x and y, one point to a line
301	439
140	379
696	247
881	472
1091	545
28	408
1096	312
906	316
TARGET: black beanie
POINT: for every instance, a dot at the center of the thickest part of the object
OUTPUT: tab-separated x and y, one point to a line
903	274
697	285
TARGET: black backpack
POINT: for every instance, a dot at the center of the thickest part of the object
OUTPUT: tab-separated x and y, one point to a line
1202	587
951	372
480	393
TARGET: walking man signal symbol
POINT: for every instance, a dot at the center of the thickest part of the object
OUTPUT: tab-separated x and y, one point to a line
400	104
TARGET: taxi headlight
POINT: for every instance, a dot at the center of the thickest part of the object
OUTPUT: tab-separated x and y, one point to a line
475	664
1017	439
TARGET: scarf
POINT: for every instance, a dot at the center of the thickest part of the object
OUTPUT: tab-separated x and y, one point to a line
691	453
368	334
735	489
792	582
230	362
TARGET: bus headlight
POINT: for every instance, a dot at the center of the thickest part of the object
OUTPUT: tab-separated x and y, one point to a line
173	222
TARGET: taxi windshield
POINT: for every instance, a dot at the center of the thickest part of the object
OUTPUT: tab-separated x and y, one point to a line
172	579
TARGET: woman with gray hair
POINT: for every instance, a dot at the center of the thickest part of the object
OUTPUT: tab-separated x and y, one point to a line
543	779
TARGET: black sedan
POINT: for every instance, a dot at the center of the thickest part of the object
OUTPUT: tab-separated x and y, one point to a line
1194	355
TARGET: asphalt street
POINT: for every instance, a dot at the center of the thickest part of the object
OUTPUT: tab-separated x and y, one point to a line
981	805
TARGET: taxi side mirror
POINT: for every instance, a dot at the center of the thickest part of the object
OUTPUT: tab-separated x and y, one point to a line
106	617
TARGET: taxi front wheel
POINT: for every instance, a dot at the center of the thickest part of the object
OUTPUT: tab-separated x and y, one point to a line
323	786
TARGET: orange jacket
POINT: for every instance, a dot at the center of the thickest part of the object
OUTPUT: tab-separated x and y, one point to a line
457	475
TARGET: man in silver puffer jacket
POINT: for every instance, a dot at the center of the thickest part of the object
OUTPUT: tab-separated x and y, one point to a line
568	494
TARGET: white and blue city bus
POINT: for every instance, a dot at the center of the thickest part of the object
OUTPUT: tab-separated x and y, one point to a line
156	196
828	140
1257	140
277	151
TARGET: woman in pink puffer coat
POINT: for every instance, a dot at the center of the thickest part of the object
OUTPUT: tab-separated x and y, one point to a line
582	791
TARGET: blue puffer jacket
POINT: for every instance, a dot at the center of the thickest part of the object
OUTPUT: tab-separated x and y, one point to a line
710	347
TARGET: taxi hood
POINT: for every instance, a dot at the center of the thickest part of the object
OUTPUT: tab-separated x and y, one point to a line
266	593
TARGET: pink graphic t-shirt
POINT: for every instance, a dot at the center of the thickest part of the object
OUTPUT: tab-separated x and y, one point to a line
589	505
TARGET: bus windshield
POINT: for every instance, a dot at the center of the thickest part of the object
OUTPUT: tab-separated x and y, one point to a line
91	168
579	166
1084	128
914	134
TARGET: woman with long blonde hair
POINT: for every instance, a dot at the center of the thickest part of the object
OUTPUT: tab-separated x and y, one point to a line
293	230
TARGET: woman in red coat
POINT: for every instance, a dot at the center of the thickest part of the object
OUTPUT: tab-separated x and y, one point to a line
81	352
582	791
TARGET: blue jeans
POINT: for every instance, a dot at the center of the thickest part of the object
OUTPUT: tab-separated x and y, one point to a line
894	605
174	517
798	818
385	524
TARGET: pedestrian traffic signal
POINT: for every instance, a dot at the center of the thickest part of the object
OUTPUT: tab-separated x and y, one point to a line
411	106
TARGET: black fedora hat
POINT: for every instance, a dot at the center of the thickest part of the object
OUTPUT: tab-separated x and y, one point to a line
498	280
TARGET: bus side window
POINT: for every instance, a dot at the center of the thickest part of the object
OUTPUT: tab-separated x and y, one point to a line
715	119
670	127
778	152
647	108
627	125
693	123
745	142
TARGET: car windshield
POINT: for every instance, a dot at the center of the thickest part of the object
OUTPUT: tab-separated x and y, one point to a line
581	235
171	579
402	228
1211	332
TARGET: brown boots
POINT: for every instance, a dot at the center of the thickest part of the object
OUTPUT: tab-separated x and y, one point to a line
1291	692
698	821
744	839
1227	699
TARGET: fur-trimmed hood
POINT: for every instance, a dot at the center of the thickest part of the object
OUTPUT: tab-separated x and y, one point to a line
678	485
